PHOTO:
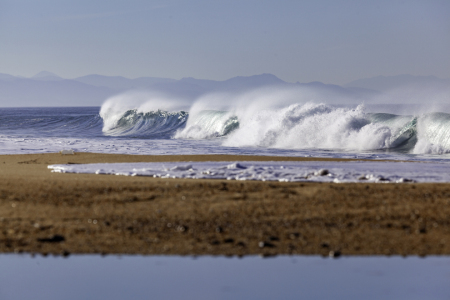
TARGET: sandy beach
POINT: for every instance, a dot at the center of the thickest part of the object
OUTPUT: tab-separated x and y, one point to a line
53	213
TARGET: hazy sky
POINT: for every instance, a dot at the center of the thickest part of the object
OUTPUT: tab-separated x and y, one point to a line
331	41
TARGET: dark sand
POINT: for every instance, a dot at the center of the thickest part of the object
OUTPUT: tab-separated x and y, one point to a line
44	212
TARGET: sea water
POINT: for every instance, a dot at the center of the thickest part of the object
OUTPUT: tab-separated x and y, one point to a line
207	277
296	130
292	129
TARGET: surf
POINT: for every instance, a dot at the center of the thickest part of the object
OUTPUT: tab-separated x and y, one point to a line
280	125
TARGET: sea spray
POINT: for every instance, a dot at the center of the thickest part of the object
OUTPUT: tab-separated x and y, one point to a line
433	132
270	118
312	126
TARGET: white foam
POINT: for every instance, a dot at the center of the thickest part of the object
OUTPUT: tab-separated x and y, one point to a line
311	126
286	171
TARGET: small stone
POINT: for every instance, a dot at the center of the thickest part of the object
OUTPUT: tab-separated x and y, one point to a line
219	229
334	254
294	235
325	245
224	187
54	239
265	245
182	228
267	255
405	180
322	172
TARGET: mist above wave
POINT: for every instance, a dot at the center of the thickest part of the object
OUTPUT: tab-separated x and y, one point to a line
272	117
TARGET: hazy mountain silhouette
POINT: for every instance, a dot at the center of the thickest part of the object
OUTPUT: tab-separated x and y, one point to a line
235	84
255	81
361	94
47	76
36	92
121	83
49	89
6	76
387	83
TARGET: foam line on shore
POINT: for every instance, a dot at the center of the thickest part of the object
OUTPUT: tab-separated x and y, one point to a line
283	171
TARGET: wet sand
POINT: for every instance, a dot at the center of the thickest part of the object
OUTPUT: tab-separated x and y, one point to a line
44	212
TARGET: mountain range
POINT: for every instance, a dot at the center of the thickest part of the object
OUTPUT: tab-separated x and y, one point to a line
49	89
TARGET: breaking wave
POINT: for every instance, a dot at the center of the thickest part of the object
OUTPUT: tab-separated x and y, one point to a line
294	126
149	124
321	126
209	124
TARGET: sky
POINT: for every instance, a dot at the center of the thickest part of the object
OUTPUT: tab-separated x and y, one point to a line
335	41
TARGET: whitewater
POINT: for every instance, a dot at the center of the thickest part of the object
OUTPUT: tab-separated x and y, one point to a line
249	124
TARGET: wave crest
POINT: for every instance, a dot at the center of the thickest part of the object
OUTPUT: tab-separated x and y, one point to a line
209	124
313	126
149	124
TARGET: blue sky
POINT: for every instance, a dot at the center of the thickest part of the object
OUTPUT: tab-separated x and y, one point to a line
329	41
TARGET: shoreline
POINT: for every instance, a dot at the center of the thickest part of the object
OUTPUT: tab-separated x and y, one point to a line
45	212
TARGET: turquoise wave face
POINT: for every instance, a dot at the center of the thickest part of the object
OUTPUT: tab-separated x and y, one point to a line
435	127
163	124
209	124
432	128
154	124
297	126
404	129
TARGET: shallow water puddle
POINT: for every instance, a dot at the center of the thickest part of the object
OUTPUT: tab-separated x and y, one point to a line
174	277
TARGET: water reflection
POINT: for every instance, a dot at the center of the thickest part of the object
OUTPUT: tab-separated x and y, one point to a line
173	277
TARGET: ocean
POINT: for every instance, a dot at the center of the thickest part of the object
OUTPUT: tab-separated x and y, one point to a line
378	132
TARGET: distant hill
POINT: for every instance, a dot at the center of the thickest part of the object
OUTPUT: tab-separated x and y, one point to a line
6	77
236	83
255	81
387	83
121	83
32	92
360	94
49	89
47	76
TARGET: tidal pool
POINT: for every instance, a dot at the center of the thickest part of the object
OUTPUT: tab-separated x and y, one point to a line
207	277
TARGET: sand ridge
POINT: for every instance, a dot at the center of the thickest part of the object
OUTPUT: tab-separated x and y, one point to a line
45	212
